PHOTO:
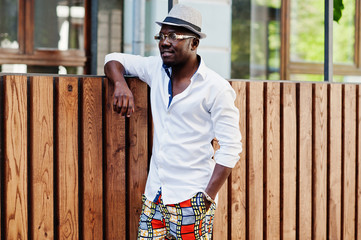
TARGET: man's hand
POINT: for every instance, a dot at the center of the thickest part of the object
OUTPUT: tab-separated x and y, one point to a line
123	100
207	202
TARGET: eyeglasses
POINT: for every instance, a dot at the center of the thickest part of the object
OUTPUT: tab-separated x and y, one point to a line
172	37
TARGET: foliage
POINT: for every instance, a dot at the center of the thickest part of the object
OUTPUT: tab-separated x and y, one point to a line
337	10
306	36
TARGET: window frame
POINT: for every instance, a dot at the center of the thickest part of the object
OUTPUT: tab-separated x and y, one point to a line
288	67
27	54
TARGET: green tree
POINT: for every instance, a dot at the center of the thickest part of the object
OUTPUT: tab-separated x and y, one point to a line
337	10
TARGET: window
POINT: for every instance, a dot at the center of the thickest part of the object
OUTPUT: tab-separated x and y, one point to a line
305	41
45	35
274	39
256	39
110	30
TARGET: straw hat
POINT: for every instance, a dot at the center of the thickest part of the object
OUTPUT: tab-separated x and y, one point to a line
184	16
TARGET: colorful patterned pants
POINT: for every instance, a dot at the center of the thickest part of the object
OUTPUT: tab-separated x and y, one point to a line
187	220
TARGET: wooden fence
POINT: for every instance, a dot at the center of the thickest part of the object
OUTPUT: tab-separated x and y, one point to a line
73	169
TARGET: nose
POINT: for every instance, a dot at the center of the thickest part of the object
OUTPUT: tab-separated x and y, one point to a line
165	42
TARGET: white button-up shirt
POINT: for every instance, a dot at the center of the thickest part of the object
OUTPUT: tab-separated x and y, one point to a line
183	158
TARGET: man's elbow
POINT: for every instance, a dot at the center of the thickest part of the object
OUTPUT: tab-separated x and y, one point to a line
113	66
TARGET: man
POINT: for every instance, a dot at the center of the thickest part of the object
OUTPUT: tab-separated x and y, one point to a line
191	105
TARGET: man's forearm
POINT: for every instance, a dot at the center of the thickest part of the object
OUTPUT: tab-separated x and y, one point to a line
219	176
115	72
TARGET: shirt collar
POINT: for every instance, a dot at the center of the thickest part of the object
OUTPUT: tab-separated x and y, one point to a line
201	69
167	70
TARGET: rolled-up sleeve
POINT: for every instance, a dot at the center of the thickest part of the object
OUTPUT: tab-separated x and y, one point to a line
225	118
135	65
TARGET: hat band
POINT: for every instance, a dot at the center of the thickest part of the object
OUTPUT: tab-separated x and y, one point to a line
180	21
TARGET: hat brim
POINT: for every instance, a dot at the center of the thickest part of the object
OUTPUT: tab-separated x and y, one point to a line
200	34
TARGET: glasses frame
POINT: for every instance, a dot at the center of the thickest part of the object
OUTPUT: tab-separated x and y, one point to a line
172	39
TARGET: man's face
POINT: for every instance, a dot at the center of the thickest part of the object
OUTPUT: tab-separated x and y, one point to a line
175	52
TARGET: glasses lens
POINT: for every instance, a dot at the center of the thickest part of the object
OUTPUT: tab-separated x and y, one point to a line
161	36
172	36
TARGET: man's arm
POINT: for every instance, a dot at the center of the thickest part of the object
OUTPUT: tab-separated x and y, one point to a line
219	176
123	102
225	118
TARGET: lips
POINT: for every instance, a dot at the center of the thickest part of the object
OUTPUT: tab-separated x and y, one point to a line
166	54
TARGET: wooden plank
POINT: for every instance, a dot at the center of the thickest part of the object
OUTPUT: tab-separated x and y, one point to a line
238	175
2	94
289	169
349	162
255	153
358	219
335	189
305	162
320	163
42	155
115	203
16	194
273	161
92	158
138	153
220	224
221	215
67	156
2	161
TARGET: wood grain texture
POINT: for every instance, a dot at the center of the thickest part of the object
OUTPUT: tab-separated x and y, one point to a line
67	156
138	153
335	165
272	164
16	154
42	168
238	175
259	200
320	163
255	169
289	170
305	161
358	226
2	188
220	224
92	159
115	175
349	162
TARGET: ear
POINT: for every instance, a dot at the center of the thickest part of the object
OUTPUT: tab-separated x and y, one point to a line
194	44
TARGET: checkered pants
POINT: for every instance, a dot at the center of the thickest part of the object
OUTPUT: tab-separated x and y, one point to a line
187	220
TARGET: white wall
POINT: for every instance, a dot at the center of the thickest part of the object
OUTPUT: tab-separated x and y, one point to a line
217	24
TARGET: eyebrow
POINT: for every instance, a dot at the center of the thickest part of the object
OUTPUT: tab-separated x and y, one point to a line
171	31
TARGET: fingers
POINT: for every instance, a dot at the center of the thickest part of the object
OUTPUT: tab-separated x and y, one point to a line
207	203
130	108
124	105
